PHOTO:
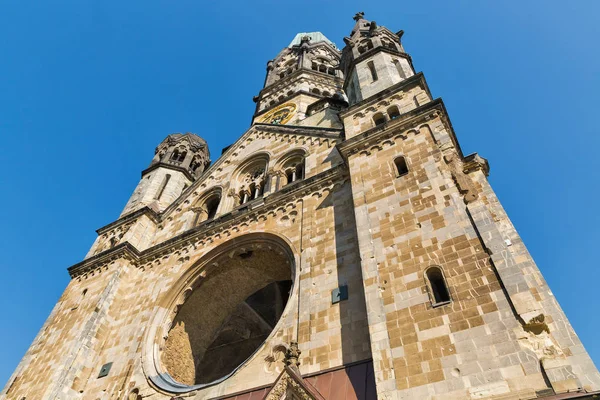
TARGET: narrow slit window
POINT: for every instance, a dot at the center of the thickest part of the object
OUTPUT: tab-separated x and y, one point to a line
401	166
300	171
371	66
437	285
400	69
163	185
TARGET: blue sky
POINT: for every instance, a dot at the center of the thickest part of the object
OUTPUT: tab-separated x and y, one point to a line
89	88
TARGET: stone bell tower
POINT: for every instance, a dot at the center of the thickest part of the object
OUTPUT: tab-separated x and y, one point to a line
456	305
373	60
303	80
178	161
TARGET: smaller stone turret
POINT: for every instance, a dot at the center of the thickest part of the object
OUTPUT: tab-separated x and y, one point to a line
178	161
373	59
183	150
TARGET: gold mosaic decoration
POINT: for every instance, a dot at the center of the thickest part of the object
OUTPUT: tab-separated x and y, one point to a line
279	115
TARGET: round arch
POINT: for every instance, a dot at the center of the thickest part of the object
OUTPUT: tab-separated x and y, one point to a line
242	286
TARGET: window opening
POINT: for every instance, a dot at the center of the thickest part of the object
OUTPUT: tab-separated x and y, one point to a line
372	69
393	112
400	69
437	283
163	185
378	119
212	205
401	166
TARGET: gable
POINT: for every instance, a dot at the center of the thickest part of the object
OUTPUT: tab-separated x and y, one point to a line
265	151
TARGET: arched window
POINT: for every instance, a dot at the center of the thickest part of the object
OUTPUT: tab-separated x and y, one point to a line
314	66
322	68
399	68
212	204
438	290
401	166
393	112
373	71
290	168
326	94
369	45
330	71
175	155
315	91
378	119
162	187
256	190
182	156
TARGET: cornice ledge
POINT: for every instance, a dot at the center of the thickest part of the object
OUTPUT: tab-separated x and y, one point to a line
132	216
390	128
169	166
418	77
378	49
333	133
124	251
289	79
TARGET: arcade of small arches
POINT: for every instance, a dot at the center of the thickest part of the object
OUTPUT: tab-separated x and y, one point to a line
251	181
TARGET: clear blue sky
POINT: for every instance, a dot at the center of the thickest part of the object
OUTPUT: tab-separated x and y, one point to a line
89	88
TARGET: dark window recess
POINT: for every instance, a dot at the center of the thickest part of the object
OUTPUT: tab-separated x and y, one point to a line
438	286
400	70
393	112
378	119
211	207
373	71
401	166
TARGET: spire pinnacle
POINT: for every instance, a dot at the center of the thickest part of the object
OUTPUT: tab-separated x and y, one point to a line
358	16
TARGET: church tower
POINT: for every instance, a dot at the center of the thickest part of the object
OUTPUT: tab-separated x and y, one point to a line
342	248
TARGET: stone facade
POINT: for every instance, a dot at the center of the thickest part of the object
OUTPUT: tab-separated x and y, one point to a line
345	219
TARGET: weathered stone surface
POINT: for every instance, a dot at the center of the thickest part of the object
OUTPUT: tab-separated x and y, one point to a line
312	194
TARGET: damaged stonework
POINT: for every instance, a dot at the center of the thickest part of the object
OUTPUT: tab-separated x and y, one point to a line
460	170
543	331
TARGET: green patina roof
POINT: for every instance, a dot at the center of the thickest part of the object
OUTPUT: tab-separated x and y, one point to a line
314	38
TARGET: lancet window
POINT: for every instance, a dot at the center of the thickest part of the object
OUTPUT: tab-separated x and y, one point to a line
436	283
